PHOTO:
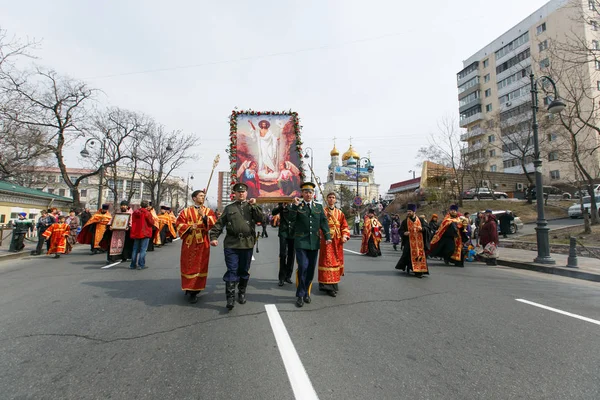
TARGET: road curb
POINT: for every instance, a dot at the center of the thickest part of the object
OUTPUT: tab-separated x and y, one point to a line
13	256
553	270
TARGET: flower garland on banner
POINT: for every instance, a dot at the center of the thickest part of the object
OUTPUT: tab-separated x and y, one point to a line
232	151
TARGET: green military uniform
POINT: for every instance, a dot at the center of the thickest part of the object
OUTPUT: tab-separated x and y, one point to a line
239	219
286	244
307	219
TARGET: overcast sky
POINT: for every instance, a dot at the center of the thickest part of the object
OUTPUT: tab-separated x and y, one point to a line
381	72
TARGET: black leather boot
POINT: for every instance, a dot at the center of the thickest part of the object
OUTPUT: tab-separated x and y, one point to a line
230	294
242	291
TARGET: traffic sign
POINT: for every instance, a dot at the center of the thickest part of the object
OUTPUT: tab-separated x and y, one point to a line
357	201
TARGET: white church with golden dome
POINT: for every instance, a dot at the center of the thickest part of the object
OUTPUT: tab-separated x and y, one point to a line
345	174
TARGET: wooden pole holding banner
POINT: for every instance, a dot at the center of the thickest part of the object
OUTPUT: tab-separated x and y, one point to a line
215	163
318	184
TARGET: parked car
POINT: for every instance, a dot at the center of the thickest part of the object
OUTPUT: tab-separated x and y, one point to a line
483	193
514	226
575	210
551	191
584	192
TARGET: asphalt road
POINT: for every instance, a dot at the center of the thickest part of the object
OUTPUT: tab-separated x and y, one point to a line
529	229
70	330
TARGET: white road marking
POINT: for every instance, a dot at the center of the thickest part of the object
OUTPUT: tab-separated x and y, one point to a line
111	265
353	252
593	321
301	386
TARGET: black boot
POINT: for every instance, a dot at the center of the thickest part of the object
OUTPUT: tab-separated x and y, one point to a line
242	291
230	294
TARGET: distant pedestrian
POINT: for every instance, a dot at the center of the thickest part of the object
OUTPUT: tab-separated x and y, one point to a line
372	235
73	222
506	220
357	222
57	235
85	216
141	233
489	237
286	243
265	223
386	221
43	223
395	235
21	226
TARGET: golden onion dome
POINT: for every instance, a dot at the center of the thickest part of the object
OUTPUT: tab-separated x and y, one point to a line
334	152
350	153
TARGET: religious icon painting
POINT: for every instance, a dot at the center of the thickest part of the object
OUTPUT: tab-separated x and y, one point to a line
120	221
265	153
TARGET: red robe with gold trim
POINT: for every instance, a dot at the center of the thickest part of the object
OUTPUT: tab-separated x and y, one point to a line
94	228
372	229
58	237
331	257
195	246
164	219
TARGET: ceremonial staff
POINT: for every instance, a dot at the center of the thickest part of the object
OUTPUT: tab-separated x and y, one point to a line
318	184
215	163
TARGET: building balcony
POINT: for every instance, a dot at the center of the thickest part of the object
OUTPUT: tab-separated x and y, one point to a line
513	70
471	149
471	134
467	77
464	122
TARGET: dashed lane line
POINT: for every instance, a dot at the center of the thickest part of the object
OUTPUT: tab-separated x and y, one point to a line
301	385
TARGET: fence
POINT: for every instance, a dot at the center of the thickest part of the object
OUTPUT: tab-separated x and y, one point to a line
6	234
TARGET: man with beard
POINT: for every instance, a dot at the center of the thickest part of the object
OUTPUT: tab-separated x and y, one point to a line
449	238
371	237
331	256
286	243
414	233
307	219
93	231
193	225
240	219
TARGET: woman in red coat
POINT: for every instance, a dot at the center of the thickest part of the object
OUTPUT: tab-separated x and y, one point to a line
489	234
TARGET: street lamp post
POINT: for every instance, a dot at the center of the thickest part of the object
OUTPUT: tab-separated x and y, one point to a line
187	187
556	106
86	153
311	161
369	169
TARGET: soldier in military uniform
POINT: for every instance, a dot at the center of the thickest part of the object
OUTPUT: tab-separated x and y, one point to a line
240	219
306	219
286	243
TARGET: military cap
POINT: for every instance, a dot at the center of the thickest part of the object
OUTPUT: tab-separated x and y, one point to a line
240	187
308	186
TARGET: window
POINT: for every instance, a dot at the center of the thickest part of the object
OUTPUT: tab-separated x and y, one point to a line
515	94
594	25
545	63
543	45
555	174
514	78
83	193
552	156
50	178
597	64
51	191
552	137
486	78
491	139
61	192
486	63
488	108
469	99
598	85
522	56
488	92
465	72
592	5
524	38
541	28
595	45
493	153
469	84
493	168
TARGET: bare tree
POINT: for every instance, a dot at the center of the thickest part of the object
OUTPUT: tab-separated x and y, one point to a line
121	131
44	100
22	148
159	154
445	148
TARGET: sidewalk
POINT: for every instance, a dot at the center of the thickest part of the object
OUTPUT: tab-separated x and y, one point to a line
588	268
6	255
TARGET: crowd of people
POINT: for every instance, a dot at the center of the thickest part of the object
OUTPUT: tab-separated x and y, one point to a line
311	234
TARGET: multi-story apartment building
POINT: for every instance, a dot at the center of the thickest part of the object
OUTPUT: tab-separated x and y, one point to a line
495	102
224	190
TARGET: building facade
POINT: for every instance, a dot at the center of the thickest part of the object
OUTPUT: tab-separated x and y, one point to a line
357	177
495	100
224	190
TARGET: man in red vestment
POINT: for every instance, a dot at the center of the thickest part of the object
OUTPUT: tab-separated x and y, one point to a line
372	229
331	256
94	229
193	225
57	234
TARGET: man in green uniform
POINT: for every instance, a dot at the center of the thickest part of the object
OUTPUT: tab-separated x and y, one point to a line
306	218
286	243
240	219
